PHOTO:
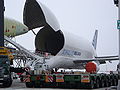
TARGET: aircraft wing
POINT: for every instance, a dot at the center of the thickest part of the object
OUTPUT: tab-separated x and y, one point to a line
100	59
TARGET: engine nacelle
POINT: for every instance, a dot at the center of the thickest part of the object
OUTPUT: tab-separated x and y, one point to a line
92	67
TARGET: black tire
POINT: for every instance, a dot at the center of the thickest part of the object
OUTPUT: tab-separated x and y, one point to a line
91	84
106	83
102	83
97	83
7	82
115	82
37	85
21	79
29	84
110	82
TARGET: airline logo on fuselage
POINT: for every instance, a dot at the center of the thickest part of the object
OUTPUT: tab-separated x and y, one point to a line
71	53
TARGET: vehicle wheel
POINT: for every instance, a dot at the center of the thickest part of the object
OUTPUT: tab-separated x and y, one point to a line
106	83
21	79
102	83
7	83
29	84
91	84
110	82
115	82
97	83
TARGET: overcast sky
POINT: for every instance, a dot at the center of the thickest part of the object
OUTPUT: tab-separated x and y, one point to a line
80	17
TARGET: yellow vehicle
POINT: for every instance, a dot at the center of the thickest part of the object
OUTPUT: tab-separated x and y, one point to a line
6	51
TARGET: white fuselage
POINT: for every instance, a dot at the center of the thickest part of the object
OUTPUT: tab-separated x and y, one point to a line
74	48
14	28
65	47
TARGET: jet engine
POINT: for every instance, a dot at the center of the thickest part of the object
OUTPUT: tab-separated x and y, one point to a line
50	38
92	67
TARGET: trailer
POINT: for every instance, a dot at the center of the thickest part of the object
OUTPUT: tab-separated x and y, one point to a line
70	80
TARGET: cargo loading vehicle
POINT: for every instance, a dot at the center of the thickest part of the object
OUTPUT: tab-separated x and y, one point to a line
75	80
5	74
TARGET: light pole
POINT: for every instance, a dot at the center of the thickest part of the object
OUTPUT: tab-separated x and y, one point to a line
119	29
2	23
117	3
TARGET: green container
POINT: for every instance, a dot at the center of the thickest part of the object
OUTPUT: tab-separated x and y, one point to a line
77	78
72	77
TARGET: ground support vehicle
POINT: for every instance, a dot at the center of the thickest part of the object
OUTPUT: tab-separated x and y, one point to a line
61	80
5	74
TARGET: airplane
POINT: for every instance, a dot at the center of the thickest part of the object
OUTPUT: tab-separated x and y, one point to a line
14	28
69	51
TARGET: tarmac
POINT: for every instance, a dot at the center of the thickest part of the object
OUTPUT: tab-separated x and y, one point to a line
17	85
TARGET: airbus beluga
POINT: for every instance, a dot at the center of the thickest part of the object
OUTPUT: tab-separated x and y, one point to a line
68	50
